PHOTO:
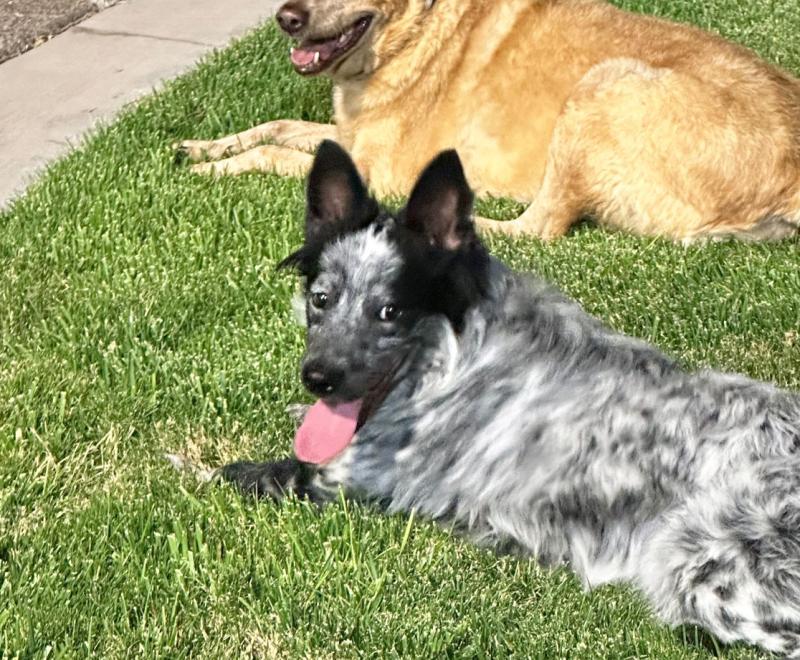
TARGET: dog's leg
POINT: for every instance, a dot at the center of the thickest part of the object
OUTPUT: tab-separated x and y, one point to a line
558	204
562	197
267	158
273	480
550	215
622	151
300	135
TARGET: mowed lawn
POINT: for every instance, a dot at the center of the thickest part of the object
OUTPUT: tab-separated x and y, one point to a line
140	313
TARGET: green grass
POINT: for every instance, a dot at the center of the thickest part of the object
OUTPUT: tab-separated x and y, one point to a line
140	312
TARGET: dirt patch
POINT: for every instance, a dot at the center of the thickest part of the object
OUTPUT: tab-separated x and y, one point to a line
25	24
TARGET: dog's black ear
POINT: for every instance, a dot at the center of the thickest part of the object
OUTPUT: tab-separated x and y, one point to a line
337	201
440	205
336	198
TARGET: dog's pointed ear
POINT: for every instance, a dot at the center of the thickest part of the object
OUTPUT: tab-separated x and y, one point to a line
336	198
440	205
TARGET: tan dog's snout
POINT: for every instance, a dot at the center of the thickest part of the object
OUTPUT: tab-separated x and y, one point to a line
292	17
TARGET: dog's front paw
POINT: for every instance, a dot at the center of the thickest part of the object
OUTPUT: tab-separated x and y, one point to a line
199	150
273	480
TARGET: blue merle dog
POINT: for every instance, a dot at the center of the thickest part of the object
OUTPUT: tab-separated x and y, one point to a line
496	405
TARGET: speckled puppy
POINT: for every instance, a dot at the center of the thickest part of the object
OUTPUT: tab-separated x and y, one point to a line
494	404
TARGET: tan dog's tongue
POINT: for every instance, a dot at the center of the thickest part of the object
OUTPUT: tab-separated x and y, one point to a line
326	431
301	57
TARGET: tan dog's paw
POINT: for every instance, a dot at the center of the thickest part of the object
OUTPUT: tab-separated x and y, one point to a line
198	150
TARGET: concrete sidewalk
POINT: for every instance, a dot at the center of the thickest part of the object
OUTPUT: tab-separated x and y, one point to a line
53	94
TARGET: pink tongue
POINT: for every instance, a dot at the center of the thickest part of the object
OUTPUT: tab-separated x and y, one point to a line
302	57
326	431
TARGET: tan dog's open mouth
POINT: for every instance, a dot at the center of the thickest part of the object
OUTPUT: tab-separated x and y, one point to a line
314	55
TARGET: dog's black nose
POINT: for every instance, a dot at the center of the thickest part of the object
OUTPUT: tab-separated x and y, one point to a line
320	380
292	17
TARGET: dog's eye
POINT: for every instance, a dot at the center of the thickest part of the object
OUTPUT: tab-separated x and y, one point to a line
319	299
388	313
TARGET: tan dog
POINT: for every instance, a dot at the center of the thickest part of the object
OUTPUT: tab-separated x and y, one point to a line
572	105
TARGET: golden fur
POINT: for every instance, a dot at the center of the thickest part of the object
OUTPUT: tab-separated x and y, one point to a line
573	106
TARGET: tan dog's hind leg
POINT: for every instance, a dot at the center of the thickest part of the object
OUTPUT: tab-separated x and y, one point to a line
556	207
562	196
658	152
267	158
558	204
300	135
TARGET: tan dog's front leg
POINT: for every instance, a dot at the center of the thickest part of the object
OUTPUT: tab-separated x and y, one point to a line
267	158
301	135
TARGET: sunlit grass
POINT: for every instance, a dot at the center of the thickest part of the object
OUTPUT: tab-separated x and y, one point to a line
140	312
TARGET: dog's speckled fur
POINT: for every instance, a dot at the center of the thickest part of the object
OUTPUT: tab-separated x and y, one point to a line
527	424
